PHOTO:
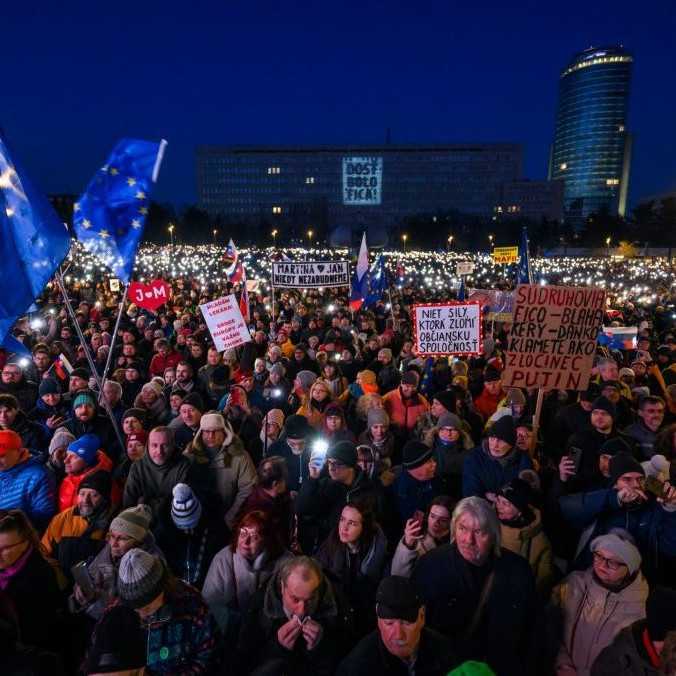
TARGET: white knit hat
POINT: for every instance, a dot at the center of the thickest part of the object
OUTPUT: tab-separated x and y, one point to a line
186	509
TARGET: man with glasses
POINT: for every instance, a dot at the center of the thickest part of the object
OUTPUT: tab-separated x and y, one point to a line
13	381
590	607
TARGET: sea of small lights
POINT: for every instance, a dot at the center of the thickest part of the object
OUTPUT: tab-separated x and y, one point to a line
640	280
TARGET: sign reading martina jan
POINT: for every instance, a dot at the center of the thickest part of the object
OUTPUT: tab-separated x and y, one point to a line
309	275
552	341
447	328
362	180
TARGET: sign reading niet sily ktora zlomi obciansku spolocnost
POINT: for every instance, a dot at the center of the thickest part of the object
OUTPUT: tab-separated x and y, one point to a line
447	328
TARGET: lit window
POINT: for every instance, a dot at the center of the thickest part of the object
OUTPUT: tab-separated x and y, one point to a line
276	210
563	166
612	181
620	127
274	170
309	180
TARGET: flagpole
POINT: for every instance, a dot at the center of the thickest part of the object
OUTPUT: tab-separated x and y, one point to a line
114	336
90	360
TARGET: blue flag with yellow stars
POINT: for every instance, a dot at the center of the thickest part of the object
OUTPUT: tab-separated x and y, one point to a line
109	217
524	274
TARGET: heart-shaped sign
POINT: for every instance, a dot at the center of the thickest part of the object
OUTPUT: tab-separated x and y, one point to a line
149	296
320	267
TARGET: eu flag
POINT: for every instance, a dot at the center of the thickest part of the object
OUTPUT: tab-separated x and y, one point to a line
33	240
109	217
377	283
524	274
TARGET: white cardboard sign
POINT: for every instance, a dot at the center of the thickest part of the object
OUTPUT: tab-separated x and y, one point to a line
225	322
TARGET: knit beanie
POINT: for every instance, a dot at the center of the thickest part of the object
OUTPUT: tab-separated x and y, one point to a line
211	422
119	643
275	415
377	416
614	446
81	373
515	397
84	397
86	447
660	615
141	578
306	379
504	429
591	393
449	420
623	549
153	387
344	452
99	481
518	492
194	400
137	413
604	404
491	374
415	454
367	377
447	399
278	369
186	509
133	522
623	463
62	437
220	375
297	427
9	441
410	378
49	386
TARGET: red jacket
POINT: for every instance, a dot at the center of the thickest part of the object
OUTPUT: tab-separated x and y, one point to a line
158	363
402	416
487	404
71	483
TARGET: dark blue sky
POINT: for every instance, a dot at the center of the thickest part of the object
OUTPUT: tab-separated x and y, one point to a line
79	75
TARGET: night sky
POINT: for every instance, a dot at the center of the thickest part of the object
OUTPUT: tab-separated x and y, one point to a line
79	75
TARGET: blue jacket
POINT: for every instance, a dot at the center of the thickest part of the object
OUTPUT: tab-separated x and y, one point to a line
483	474
29	486
597	512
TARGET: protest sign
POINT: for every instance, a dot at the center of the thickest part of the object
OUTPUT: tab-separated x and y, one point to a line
447	328
497	305
149	296
362	180
225	322
552	341
312	275
464	268
505	254
114	284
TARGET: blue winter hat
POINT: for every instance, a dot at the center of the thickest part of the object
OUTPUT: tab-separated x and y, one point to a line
86	447
186	509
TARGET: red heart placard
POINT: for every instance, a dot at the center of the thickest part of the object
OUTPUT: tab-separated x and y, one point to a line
149	296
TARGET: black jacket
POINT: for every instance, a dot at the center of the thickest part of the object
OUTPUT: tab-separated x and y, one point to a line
504	636
370	657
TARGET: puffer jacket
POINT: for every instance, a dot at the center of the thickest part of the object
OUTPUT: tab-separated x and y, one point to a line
482	473
224	480
531	542
34	436
71	483
29	486
404	417
592	616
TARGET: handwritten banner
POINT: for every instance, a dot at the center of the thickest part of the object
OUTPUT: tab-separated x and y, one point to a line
311	275
362	180
505	254
225	322
447	328
552	341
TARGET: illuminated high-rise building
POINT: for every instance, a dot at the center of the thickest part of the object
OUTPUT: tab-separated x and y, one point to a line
592	147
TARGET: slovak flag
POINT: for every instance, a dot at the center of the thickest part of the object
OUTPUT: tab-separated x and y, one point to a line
244	297
233	266
360	279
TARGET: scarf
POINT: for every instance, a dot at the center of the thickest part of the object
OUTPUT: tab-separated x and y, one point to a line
6	574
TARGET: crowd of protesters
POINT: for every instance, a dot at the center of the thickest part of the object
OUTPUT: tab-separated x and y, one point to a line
322	500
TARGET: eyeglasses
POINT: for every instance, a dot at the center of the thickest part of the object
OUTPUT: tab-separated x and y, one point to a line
610	564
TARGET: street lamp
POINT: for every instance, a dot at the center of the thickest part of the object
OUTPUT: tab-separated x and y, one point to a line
608	245
490	239
404	237
450	241
309	236
215	232
171	233
274	237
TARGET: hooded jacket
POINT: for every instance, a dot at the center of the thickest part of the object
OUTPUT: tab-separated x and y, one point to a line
482	473
153	484
71	483
225	479
592	616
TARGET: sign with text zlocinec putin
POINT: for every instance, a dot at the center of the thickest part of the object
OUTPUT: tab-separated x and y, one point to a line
447	328
362	180
552	341
225	322
315	275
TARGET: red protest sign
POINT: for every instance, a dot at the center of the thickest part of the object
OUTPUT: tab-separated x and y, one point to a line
149	296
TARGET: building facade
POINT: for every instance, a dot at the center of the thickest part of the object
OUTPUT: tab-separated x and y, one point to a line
591	152
349	189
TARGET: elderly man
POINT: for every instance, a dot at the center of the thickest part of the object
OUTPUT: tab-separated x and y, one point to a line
294	624
402	642
222	471
594	605
480	595
152	478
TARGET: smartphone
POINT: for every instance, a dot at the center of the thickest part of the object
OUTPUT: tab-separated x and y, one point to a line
419	517
575	454
83	579
654	485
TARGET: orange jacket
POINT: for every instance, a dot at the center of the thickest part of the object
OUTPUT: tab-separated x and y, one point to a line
67	524
71	483
402	416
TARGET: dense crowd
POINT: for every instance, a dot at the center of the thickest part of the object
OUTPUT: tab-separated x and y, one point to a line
323	500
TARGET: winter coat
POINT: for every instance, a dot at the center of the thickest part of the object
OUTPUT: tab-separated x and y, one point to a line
644	438
156	414
504	635
407	495
568	420
26	393
34	593
224	480
531	542
592	616
450	462
232	580
181	635
153	484
34	437
388	378
482	473
43	411
296	464
486	403
404	559
160	362
71	482
29	486
100	426
258	645
404	417
384	453
626	655
370	657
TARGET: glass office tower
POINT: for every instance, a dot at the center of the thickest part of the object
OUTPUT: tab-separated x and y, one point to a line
592	148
